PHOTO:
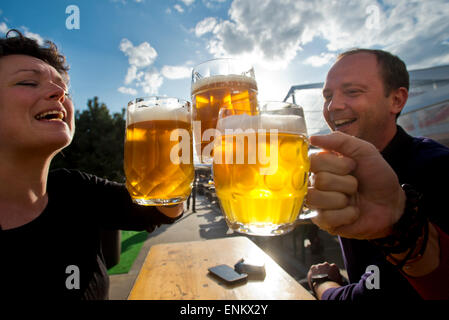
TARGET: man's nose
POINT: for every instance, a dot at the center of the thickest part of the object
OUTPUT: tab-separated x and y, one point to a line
336	103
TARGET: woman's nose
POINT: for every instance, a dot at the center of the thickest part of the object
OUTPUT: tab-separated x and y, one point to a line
56	92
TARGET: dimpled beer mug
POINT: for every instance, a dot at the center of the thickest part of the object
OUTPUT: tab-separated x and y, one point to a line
158	151
261	167
219	83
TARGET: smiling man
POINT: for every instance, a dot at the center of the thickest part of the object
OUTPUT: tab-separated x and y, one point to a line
377	187
359	96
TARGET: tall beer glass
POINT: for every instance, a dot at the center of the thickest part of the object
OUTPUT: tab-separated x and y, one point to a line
216	84
261	168
158	150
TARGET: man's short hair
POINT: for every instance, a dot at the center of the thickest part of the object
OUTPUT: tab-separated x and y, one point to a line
393	70
19	44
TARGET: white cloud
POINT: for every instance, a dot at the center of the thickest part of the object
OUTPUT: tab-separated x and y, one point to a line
125	90
176	72
322	59
267	30
34	36
211	4
178	8
132	74
142	55
273	32
188	2
152	81
205	26
124	2
3	28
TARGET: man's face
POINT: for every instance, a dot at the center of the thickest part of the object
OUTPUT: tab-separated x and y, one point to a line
355	101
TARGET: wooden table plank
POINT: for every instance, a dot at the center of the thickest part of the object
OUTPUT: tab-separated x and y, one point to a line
179	271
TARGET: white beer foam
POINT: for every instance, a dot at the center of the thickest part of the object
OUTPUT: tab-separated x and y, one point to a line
220	79
141	114
283	123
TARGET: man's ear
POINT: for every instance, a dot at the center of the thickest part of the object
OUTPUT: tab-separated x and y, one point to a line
398	98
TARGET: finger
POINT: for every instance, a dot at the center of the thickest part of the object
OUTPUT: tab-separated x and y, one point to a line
331	162
361	231
324	264
332	220
326	181
345	144
326	200
314	269
319	264
319	268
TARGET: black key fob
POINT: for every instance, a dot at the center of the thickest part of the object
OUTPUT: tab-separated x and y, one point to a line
226	273
254	269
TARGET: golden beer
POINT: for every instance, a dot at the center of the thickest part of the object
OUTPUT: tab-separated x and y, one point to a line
156	172
214	92
257	196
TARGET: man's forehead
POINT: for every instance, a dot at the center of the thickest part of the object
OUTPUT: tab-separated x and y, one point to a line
356	62
353	68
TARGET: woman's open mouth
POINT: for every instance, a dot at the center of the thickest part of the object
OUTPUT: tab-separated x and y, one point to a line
51	115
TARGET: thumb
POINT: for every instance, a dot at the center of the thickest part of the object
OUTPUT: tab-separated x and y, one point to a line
344	144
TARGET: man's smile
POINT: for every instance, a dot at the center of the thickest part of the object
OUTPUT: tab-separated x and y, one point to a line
341	124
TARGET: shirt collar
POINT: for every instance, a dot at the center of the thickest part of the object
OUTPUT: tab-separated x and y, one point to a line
396	149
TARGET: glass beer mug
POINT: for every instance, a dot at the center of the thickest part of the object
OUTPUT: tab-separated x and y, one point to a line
261	167
158	151
216	84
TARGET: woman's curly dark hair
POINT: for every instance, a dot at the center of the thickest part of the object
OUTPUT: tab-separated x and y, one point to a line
19	44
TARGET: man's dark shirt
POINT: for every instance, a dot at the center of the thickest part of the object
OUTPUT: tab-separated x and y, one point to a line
423	164
37	260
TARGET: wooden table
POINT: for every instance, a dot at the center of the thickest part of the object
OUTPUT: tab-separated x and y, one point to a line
178	271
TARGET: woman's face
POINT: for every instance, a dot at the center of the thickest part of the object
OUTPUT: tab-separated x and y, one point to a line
36	115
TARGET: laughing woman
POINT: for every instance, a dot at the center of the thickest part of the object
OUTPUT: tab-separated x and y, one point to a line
50	222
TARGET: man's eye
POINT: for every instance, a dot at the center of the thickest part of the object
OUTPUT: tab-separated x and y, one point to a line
353	92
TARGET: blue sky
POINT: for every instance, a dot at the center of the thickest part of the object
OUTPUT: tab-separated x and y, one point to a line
129	48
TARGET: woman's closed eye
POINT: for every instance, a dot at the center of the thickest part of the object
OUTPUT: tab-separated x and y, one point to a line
27	83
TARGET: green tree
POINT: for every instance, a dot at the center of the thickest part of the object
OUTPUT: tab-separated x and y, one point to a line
97	146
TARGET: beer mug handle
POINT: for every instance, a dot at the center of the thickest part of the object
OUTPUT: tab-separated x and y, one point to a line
305	217
306	213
